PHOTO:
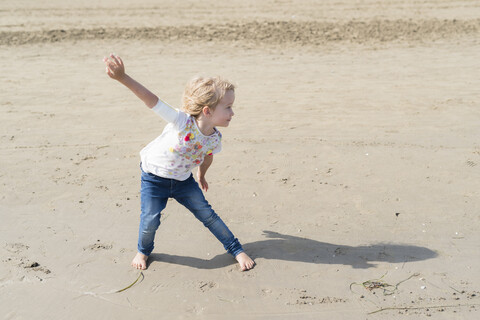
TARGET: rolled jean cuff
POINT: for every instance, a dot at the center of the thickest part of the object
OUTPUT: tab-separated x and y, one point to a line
146	253
235	248
237	252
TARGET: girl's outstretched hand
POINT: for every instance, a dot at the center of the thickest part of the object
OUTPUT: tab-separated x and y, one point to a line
115	68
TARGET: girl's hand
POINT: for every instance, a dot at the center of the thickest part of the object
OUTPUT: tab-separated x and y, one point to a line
202	170
203	183
115	68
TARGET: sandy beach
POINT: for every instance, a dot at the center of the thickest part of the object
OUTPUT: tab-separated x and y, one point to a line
350	171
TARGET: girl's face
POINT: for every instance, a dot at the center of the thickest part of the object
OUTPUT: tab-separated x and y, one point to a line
223	113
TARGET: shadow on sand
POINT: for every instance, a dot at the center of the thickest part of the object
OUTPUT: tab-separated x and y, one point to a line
291	248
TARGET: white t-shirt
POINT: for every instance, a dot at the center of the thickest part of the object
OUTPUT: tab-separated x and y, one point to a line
181	146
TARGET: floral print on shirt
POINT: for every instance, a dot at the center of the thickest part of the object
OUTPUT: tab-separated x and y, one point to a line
191	148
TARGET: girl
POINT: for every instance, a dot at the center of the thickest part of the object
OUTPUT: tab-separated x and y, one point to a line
189	140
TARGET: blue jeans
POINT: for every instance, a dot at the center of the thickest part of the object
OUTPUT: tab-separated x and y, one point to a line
154	194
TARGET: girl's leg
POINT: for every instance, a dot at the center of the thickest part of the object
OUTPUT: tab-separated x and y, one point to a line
153	195
189	194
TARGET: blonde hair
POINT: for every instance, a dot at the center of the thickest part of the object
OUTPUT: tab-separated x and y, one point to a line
204	91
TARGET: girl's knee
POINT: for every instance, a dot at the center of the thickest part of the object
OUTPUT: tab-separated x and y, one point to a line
210	219
150	228
150	223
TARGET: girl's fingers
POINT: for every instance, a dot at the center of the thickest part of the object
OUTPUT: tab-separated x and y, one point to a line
114	61
114	65
109	72
111	65
114	58
107	61
120	61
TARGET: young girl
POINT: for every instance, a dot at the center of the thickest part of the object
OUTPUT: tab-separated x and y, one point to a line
189	140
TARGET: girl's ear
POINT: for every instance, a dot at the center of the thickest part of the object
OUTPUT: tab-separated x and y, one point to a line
206	111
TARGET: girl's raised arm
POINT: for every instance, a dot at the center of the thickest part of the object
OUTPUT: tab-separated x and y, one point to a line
116	70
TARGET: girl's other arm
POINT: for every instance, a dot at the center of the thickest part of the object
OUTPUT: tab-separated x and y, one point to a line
202	170
116	70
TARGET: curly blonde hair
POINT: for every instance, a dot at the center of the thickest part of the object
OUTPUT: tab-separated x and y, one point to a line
203	92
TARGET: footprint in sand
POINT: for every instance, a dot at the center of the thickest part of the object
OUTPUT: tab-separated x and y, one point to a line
16	247
206	286
19	260
98	246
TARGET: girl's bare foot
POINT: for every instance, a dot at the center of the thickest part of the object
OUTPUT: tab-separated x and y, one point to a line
140	261
245	262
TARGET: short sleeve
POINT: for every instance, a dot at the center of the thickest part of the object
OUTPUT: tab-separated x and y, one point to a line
167	112
218	147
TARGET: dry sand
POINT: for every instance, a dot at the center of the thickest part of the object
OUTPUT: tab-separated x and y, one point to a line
354	154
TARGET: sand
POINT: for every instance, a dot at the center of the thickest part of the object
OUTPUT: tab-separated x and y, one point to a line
353	156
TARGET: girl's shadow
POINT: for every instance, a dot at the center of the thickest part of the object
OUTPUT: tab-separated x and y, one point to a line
291	248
